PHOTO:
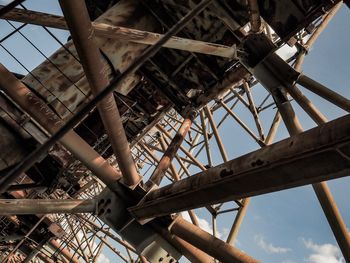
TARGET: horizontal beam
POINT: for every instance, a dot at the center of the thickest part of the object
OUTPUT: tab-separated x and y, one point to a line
123	33
46	206
320	154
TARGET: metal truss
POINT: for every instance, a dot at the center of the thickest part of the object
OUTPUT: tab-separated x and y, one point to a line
179	161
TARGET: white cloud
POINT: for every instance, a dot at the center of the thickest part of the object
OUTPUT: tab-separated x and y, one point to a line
102	259
203	224
326	253
268	247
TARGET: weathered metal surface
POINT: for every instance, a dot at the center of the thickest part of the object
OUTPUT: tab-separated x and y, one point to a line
70	91
51	122
46	206
123	33
170	152
317	155
78	20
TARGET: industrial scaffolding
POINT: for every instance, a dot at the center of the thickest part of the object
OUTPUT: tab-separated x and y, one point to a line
107	145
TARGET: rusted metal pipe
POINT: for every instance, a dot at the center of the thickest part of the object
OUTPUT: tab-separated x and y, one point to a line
324	92
46	206
170	152
39	111
123	33
79	23
302	159
208	243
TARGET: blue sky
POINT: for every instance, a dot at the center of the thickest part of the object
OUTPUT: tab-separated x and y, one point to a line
282	227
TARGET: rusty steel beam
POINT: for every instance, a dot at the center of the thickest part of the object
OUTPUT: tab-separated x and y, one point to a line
79	23
170	152
46	206
316	155
39	111
124	33
209	244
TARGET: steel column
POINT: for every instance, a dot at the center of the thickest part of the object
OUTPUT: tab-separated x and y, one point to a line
83	36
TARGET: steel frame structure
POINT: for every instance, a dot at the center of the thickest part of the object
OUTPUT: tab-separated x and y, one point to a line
174	152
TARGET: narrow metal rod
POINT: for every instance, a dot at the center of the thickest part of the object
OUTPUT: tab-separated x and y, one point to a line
253	109
83	36
274	127
63	251
149	52
324	92
240	98
123	33
206	139
114	250
76	239
46	206
216	133
232	237
242	124
95	227
208	243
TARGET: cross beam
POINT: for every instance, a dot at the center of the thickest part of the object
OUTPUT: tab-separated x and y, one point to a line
123	33
319	154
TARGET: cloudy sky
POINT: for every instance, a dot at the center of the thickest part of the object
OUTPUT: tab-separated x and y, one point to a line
282	227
